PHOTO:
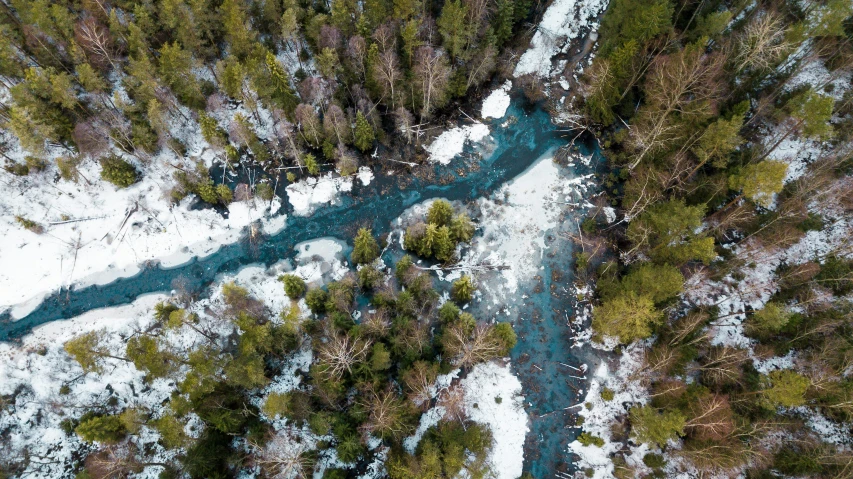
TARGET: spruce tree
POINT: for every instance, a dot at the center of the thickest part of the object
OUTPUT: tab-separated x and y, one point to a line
294	286
655	428
462	289
364	136
365	248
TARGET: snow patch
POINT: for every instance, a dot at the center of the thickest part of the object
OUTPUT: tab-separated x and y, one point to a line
305	195
451	142
561	23
496	104
507	420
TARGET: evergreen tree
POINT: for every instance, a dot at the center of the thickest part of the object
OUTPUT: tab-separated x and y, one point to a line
294	286
770	319
627	316
440	213
652	427
171	430
785	388
363	135
462	289
760	181
454	27
311	164
365	249
147	355
238	32
102	429
118	171
281	93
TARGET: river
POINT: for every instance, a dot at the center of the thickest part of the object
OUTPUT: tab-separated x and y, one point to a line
541	321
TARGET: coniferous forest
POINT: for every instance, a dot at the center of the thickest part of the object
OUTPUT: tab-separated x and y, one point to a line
388	268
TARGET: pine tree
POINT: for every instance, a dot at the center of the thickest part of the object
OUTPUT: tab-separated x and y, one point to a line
719	139
102	429
461	228
171	431
282	93
147	355
760	181
627	316
785	388
652	427
118	171
454	27
462	289
812	111
365	249
440	213
364	136
238	32
86	349
294	286
769	319
311	164
443	247
175	68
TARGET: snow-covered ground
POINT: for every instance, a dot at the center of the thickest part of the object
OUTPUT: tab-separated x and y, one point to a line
514	222
451	142
36	369
496	104
601	415
493	398
97	233
563	22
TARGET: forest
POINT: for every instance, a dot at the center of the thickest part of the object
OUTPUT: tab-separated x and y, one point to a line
226	364
743	323
314	83
713	264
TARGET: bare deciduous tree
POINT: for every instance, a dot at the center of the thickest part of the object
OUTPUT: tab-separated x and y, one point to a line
341	352
432	74
284	456
467	348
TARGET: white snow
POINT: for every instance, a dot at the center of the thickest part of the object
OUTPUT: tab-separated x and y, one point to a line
305	195
495	105
365	175
514	223
128	227
628	391
562	22
451	142
507	420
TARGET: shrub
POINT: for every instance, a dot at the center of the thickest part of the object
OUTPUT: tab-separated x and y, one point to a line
30	225
68	167
607	394
118	171
655	461
35	163
294	286
103	429
588	439
17	169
